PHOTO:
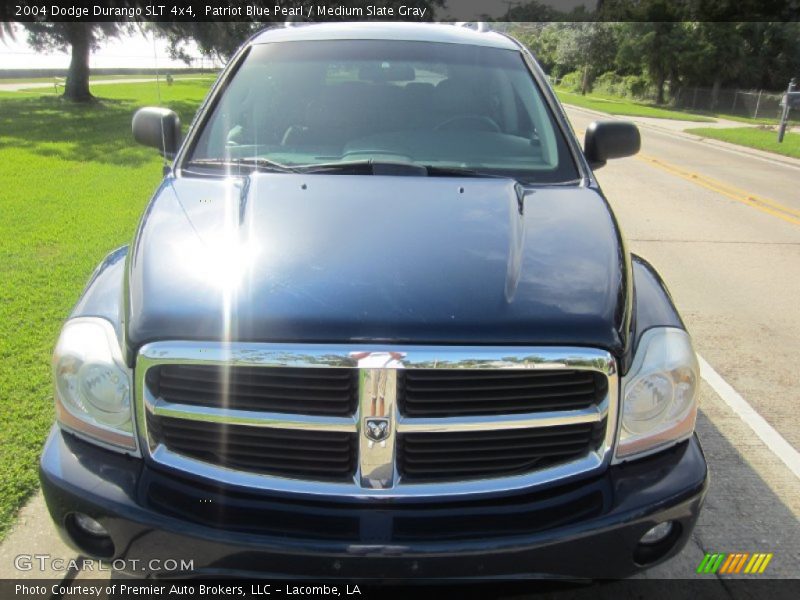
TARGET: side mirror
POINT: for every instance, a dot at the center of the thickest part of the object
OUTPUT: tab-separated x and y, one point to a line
610	139
159	128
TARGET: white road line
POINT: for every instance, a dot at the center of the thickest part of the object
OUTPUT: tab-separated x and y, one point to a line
768	434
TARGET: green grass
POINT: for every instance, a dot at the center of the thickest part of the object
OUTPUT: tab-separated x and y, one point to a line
620	106
741	119
176	75
74	184
754	137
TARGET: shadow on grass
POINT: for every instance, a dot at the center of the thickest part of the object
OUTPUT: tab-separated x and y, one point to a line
97	132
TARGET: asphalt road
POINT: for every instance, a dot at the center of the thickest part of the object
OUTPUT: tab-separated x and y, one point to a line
723	229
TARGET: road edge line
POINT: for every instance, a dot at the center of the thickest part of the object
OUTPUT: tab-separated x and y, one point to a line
776	443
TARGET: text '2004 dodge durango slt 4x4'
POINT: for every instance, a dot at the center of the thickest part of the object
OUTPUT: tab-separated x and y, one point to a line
378	321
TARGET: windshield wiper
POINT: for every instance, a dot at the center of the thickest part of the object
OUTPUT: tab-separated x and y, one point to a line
353	167
434	171
374	167
260	164
364	167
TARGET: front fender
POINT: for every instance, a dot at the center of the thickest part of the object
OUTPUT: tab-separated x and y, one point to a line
652	305
102	296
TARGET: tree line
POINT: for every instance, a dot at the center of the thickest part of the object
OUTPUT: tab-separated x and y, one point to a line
655	47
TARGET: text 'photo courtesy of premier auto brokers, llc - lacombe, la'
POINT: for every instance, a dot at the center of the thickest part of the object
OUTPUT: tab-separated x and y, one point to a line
187	590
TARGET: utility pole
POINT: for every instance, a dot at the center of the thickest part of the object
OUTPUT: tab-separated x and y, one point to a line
758	103
791	97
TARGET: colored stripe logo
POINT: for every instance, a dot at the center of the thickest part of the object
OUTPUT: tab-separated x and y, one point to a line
737	562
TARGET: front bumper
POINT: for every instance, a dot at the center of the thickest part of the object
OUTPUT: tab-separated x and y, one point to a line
586	529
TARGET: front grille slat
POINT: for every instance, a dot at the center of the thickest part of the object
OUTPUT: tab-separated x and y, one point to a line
419	452
508	455
469	438
275	445
309	391
479	409
301	454
289	435
443	456
283	385
276	372
475	384
459	392
492	396
260	403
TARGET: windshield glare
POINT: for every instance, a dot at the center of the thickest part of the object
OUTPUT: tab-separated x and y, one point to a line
444	105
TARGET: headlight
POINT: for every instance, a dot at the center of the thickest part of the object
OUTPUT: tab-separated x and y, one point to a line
659	394
92	383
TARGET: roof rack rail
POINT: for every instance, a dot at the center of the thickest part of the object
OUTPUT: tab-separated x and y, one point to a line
480	26
292	21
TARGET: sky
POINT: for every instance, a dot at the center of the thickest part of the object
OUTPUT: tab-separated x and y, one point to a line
134	51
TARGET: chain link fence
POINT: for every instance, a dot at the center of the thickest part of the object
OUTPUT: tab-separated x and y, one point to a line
744	103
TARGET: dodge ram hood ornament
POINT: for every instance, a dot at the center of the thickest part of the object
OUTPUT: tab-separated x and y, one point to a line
376	428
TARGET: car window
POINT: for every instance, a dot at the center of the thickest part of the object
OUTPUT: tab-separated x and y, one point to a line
449	105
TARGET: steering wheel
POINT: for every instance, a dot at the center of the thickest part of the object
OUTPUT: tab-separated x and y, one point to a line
476	122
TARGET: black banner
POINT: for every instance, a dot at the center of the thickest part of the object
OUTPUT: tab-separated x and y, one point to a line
401	10
126	589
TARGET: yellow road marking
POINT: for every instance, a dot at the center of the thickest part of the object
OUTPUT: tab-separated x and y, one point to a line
790	215
785	213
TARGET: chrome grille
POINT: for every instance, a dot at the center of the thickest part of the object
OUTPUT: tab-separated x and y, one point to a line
376	421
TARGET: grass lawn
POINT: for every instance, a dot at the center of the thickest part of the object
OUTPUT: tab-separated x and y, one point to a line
176	75
741	119
620	106
753	137
74	184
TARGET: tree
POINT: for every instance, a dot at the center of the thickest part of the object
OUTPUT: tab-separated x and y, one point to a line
589	47
80	38
715	54
650	48
542	40
219	39
773	54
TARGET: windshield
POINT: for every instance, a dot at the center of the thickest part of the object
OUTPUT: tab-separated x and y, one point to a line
422	103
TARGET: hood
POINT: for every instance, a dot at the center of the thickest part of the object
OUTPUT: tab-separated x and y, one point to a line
340	258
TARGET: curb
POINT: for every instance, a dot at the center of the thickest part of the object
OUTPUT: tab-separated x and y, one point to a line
769	156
